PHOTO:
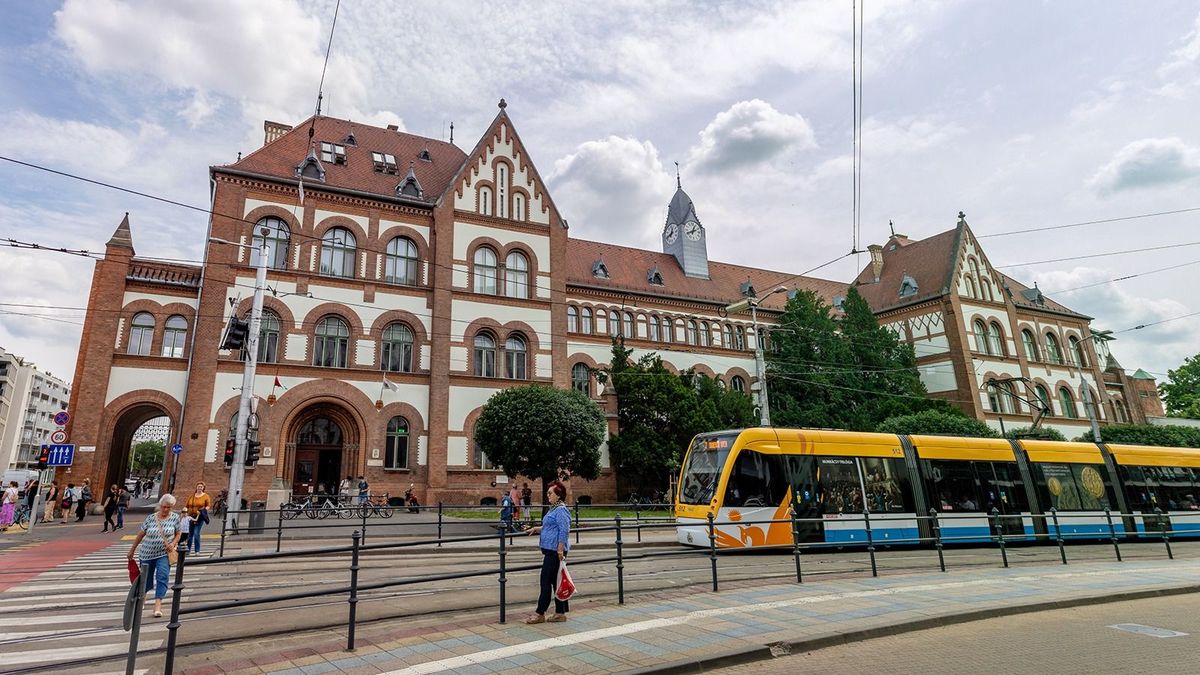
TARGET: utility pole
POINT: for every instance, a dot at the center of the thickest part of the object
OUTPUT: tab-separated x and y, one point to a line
237	472
764	404
1090	409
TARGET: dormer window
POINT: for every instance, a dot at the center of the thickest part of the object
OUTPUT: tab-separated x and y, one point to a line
333	153
311	167
908	286
599	270
384	163
424	156
350	139
410	186
748	290
654	276
839	302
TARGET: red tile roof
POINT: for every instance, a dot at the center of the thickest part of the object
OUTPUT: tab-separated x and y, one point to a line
1020	300
628	268
928	261
280	158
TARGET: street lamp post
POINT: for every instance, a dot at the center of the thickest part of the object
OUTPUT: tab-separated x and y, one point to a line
751	303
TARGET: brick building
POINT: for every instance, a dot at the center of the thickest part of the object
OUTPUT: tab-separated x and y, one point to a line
452	275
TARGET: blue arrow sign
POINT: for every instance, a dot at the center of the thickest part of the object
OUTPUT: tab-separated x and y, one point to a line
60	455
177	448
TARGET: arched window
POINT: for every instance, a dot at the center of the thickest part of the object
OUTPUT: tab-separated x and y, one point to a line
572	319
502	190
737	384
668	329
581	379
585	321
996	339
627	325
1120	411
1044	397
518	206
981	344
704	334
278	239
515	357
174	336
485	270
1067	402
516	275
970	287
141	334
653	330
485	355
268	338
401	265
740	337
337	252
396	349
985	290
396	452
614	323
693	334
727	336
1077	352
485	201
332	343
1053	351
1008	401
1031	347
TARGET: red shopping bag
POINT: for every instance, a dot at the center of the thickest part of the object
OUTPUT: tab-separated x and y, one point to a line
566	586
133	570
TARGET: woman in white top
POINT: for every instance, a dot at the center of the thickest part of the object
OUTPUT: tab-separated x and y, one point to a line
8	505
159	536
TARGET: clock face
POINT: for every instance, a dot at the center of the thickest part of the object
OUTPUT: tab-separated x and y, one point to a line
672	233
692	230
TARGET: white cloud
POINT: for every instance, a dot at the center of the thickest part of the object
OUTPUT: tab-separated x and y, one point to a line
749	133
885	139
1150	162
1187	55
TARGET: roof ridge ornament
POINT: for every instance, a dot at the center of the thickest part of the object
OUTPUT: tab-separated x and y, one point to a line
678	181
502	104
962	218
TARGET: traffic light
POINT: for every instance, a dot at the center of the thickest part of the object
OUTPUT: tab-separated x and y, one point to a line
229	452
236	334
252	447
44	458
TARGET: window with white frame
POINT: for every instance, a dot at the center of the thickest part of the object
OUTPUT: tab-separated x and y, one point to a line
485	355
401	262
141	334
396	446
516	354
581	379
396	348
174	336
338	252
516	275
331	346
486	270
278	239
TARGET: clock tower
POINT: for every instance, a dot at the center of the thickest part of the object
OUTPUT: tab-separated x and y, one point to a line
683	236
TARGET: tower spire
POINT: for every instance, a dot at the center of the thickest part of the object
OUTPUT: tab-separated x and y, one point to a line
678	183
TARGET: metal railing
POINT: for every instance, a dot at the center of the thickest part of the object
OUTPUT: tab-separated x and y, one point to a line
1156	527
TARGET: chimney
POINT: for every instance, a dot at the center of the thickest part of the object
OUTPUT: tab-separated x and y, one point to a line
876	260
273	130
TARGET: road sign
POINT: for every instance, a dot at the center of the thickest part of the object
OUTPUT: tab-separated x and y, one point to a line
61	454
59	436
62	418
177	448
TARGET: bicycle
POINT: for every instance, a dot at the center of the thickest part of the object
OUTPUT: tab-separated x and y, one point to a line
20	518
376	506
323	510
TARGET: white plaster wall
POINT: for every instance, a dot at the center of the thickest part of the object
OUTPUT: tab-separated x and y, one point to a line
464	400
938	344
131	296
120	334
465	233
122	380
938	377
365	352
522	176
544	365
458	358
456	451
463	312
300	305
210	445
252	204
370	384
543	285
459	277
321	215
296	348
386	227
422	450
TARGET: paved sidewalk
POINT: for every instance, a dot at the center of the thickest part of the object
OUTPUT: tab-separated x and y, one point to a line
688	630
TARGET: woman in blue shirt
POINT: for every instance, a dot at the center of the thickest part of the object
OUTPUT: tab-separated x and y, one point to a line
554	541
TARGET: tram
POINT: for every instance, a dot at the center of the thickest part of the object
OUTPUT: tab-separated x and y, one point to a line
831	478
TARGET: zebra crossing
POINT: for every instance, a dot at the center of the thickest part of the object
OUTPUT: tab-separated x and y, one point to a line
68	619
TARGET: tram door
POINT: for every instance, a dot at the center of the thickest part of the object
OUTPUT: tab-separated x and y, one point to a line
1001	488
806	488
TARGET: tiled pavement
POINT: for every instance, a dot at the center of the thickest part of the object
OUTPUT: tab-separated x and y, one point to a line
735	625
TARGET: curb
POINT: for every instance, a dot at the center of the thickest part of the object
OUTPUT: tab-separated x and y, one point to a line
773	650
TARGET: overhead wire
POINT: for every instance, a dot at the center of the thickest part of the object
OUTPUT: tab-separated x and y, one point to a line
1089	222
1100	255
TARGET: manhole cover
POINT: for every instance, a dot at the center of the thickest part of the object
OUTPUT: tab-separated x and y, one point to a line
1147	630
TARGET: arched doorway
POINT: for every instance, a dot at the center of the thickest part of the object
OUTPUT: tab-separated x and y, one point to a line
322	448
140	440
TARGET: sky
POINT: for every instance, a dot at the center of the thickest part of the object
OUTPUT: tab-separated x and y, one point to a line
1023	115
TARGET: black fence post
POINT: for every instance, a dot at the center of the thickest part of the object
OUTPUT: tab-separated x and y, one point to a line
796	541
1162	526
173	624
279	530
870	542
1062	550
364	511
577	522
937	538
135	629
222	552
620	565
1112	533
503	572
712	550
998	526
439	524
355	540
637	520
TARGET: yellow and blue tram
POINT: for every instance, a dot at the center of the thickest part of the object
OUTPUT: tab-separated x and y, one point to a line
832	477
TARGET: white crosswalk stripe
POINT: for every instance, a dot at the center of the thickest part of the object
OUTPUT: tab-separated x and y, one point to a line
64	619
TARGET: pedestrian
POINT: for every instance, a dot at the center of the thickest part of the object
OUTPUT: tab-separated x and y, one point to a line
198	504
155	548
8	505
554	540
186	523
527	502
137	486
507	506
52	499
514	494
31	490
67	500
344	488
84	498
122	504
110	508
364	490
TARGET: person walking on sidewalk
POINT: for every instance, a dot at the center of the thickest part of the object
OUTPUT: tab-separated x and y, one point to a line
364	490
554	540
122	504
514	494
198	504
52	499
527	502
68	498
155	548
85	498
8	505
110	509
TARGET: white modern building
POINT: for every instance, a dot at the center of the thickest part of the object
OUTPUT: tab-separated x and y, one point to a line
29	400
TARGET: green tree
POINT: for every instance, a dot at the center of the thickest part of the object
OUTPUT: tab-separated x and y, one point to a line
883	374
147	458
542	432
1181	392
1147	434
937	422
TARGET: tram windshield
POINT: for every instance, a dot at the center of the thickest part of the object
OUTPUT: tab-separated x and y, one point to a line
702	472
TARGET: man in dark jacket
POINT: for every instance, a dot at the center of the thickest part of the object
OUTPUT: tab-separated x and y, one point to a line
85	498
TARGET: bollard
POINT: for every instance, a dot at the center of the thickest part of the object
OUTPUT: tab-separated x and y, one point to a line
364	511
439	524
135	629
937	538
1162	526
173	624
796	542
577	522
503	573
221	554
279	530
712	550
1112	533
620	565
637	520
353	600
994	516
870	542
1062	550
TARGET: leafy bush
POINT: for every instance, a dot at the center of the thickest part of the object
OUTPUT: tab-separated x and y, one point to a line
935	422
1148	434
1040	433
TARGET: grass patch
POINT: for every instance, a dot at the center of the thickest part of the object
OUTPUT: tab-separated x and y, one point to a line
585	512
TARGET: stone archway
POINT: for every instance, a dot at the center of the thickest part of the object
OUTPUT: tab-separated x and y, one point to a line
124	434
322	445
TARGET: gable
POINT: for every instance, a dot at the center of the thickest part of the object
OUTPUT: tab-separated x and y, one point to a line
499	180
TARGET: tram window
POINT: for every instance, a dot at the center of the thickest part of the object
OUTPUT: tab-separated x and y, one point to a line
952	485
887	489
1073	487
1140	493
703	470
1002	487
801	475
841	491
756	481
1177	487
